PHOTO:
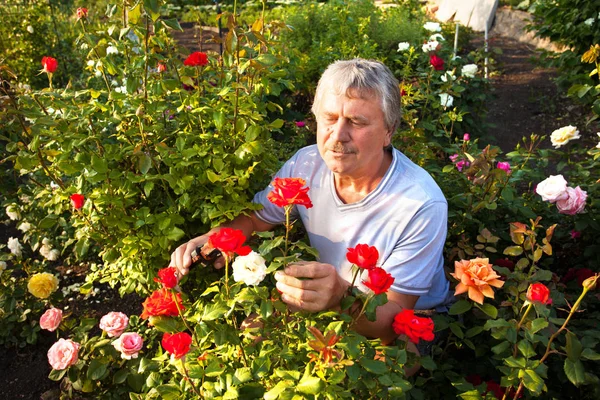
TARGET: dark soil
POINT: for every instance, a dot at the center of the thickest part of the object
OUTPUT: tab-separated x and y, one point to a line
526	101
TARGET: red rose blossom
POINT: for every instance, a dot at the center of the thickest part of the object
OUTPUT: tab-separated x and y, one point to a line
167	277
196	59
229	241
82	12
161	303
436	62
539	293
416	328
287	191
77	200
363	255
50	64
178	344
379	281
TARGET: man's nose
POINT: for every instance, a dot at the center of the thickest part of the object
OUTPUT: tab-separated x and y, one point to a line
340	130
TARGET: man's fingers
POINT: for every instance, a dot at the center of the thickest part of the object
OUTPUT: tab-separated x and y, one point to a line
307	284
304	269
302	299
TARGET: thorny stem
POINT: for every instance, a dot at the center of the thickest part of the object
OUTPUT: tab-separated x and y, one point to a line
183	319
288	228
242	351
146	61
85	34
187	375
520	324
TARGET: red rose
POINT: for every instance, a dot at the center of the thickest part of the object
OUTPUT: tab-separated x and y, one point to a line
495	389
416	328
162	303
77	200
50	64
379	280
539	293
167	277
82	12
178	344
287	191
229	241
363	255
195	59
506	263
160	67
436	62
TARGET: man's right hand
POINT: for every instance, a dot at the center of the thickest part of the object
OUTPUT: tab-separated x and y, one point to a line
181	258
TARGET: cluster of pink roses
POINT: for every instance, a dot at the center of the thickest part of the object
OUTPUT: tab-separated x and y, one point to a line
65	352
568	200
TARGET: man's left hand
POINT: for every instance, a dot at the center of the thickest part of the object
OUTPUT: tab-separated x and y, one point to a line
322	288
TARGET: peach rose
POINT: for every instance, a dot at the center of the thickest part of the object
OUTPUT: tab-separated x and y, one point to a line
129	344
63	354
114	323
51	319
574	203
476	277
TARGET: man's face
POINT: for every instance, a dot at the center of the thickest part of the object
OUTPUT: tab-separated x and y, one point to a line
351	135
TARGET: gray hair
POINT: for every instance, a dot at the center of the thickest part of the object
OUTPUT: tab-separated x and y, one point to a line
362	78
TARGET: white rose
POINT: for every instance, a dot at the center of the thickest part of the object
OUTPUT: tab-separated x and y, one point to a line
2	266
564	135
432	27
250	269
24	227
30	28
446	100
112	50
15	247
403	46
598	145
53	255
430	46
553	188
448	76
13	212
589	21
469	70
437	37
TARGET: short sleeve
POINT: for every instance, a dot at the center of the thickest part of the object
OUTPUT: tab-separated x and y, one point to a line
418	254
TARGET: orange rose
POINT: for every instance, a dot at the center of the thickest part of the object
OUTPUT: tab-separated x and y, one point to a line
476	276
162	303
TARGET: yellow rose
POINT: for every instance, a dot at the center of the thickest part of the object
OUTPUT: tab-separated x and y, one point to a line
563	135
42	285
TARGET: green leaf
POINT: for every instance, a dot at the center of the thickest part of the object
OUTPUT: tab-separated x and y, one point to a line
243	375
500	348
488	309
120	376
144	163
219	118
96	370
574	347
374	366
166	324
455	328
526	348
277	124
541	275
212	177
514	251
508	193
515	362
470	395
460	307
57	375
590	354
152	8
175	234
99	164
538	324
213	311
574	371
48	221
311	385
532	381
172	23
169	391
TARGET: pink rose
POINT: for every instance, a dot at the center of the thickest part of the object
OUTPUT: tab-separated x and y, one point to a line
466	137
505	166
300	124
553	188
453	157
575	234
129	344
51	319
114	323
63	354
462	164
574	203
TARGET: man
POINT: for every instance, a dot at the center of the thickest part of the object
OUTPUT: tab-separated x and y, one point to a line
363	191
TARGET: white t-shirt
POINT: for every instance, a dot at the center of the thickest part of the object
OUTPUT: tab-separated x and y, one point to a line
405	218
